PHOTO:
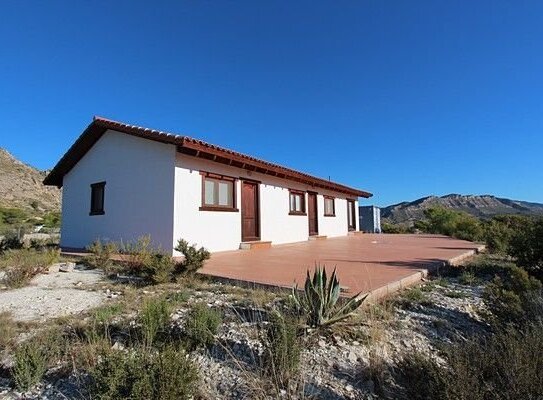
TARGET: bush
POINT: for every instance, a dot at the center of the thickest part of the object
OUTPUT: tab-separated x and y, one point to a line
141	374
527	247
154	319
319	300
100	255
30	365
504	366
388	227
281	358
159	269
510	297
10	242
193	258
23	264
52	219
138	254
413	296
202	326
468	278
451	223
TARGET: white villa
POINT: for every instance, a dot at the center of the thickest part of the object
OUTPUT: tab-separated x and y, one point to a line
121	182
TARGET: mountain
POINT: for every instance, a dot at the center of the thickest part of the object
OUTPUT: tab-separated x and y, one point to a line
21	186
484	206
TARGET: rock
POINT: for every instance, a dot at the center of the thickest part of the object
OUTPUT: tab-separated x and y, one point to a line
67	267
117	346
321	343
352	357
54	268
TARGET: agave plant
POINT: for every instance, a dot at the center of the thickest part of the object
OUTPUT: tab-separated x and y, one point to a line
319	299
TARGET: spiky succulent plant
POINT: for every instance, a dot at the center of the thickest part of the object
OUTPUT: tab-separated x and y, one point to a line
319	301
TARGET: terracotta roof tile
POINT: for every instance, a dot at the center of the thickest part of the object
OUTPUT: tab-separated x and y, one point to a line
99	125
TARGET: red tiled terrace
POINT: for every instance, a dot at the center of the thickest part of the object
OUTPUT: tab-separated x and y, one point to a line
377	263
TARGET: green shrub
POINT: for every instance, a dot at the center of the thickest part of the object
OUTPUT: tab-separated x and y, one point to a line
159	269
141	374
468	278
52	219
24	264
319	300
527	247
388	227
154	319
510	297
10	241
414	296
12	216
202	325
30	365
194	258
100	255
451	223
138	254
507	365
100	322
282	348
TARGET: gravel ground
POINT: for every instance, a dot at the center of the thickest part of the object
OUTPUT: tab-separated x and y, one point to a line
333	367
53	295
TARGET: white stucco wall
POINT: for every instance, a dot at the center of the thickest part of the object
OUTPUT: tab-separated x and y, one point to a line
139	192
219	231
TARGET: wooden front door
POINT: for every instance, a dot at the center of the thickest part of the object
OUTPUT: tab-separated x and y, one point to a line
312	214
250	212
351	215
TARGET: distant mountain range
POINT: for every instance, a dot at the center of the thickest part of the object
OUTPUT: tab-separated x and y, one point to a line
484	206
21	186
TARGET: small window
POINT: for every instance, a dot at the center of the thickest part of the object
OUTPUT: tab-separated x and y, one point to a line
329	207
97	198
297	203
218	193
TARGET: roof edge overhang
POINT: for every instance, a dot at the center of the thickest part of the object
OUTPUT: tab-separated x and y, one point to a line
189	146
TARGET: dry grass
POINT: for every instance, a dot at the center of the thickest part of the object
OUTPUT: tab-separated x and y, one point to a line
8	330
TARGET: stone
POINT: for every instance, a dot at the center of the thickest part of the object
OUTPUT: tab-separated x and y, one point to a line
54	268
66	267
352	356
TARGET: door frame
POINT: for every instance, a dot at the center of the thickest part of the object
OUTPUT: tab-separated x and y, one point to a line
309	194
351	203
256	184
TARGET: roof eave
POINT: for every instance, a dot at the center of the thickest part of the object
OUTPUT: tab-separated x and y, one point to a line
99	125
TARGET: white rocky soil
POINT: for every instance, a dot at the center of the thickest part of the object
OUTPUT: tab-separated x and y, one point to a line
337	365
53	295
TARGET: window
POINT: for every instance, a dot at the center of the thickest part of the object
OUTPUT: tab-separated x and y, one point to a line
329	206
218	193
297	202
97	198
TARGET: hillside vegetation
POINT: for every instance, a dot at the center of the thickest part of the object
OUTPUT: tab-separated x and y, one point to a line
21	187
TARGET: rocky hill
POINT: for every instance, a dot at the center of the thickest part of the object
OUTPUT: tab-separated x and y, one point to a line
484	206
21	186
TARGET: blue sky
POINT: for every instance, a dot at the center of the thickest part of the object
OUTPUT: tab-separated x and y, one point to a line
403	99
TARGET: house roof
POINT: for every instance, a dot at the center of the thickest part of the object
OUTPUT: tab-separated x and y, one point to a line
190	146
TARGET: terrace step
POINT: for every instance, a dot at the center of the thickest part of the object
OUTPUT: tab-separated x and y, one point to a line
355	233
255	245
317	237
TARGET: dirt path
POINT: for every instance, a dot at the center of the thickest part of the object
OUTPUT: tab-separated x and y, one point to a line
53	295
